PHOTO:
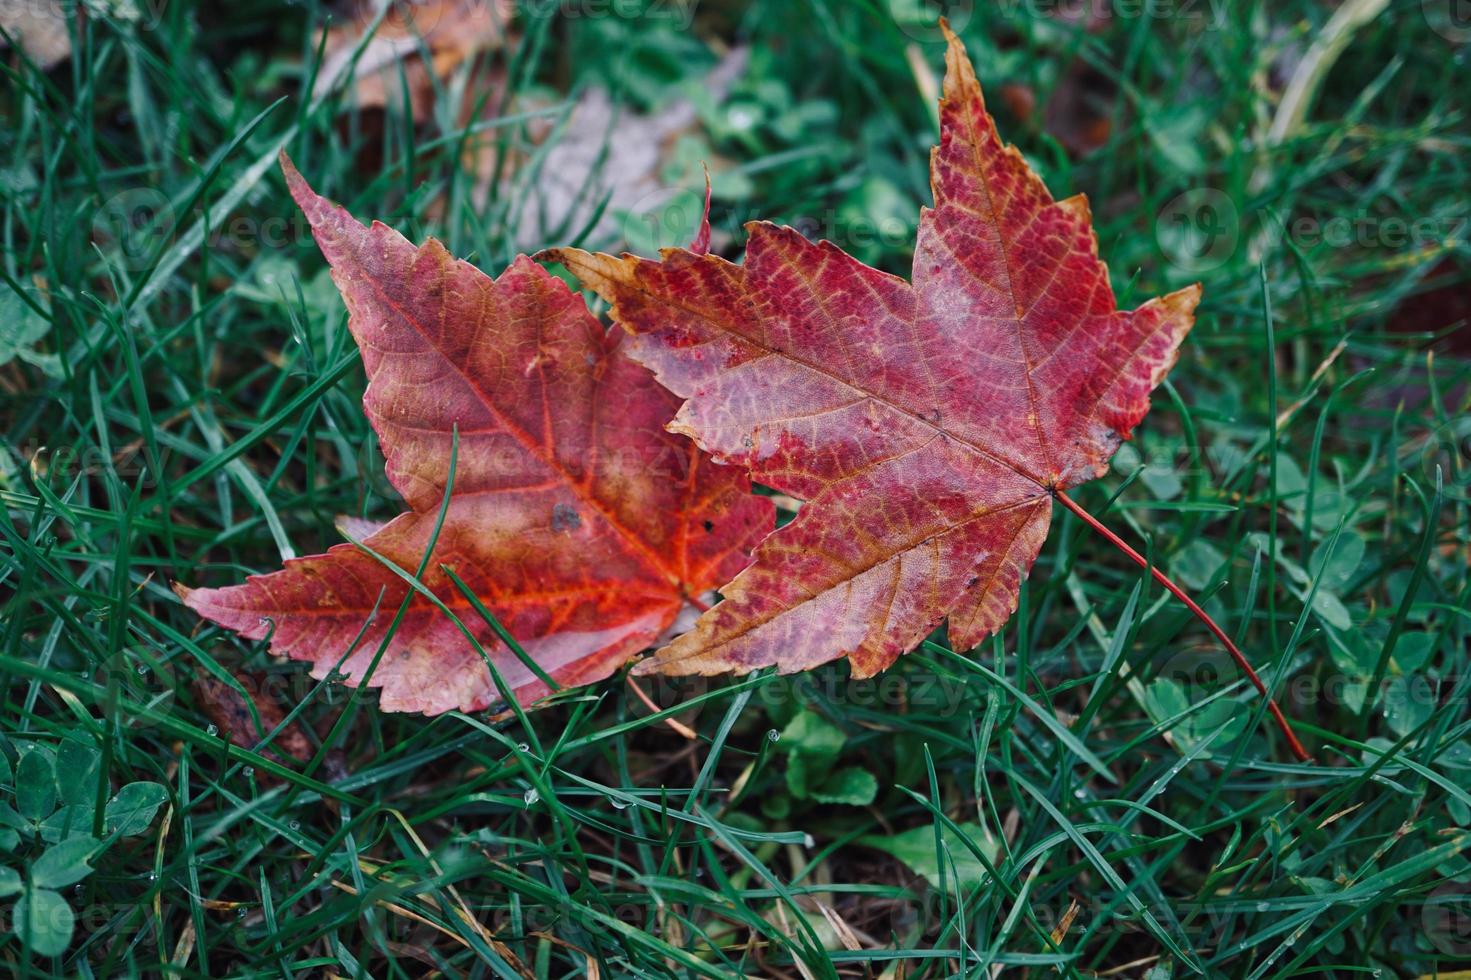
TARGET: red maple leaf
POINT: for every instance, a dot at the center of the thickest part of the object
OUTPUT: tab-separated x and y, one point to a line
577	520
929	424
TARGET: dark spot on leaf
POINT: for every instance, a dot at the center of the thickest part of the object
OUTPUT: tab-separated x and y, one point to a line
747	441
709	526
974	579
565	518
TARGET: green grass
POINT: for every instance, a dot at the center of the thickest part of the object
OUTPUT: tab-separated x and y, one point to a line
1099	770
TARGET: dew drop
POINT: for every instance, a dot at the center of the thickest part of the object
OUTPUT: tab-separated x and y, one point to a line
772	735
212	729
532	797
1080	793
249	771
295	825
523	747
1262	906
808	840
153	876
617	803
740	118
142	669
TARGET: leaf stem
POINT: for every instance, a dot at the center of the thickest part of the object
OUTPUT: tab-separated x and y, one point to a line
1201	614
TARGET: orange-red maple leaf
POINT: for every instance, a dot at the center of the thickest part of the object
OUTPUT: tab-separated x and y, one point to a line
575	517
927	423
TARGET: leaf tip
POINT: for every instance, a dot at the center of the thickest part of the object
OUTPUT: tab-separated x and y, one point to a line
960	74
552	255
357	528
1079	207
295	182
701	244
1183	302
313	205
601	273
